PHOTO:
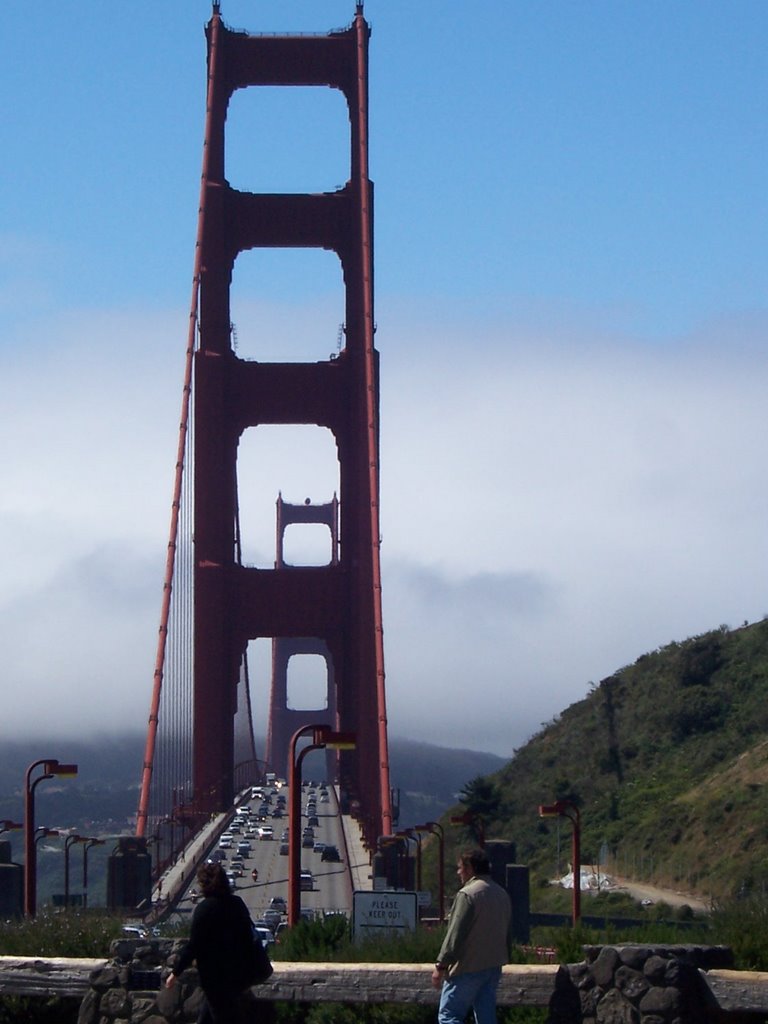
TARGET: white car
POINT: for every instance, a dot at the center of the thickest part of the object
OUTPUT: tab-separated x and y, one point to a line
266	832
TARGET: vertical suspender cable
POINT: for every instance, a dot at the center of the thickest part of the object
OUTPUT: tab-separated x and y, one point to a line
149	751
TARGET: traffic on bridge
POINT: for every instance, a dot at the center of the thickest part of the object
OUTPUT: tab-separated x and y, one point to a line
252	844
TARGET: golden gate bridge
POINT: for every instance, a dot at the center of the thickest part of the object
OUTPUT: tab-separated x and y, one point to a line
200	748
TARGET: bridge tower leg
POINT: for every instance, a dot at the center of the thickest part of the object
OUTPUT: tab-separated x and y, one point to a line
339	604
285	719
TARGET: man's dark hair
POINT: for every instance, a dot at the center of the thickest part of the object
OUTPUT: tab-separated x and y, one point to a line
477	860
212	880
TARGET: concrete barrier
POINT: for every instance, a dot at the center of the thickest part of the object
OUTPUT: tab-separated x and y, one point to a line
130	984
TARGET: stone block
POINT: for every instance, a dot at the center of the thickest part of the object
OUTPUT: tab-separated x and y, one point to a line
655	968
633	984
613	1008
664	1001
604	966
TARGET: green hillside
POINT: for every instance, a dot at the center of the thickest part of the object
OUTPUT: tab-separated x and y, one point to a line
667	760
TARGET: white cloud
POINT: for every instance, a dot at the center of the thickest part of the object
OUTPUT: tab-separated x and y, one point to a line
552	507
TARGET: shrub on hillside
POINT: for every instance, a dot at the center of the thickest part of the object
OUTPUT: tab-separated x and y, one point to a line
742	924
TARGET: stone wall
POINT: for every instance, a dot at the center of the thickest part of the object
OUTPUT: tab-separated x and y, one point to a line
633	984
622	984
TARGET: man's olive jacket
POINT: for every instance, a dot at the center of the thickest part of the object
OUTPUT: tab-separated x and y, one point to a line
479	928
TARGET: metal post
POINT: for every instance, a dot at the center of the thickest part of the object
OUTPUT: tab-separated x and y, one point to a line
86	847
69	841
51	767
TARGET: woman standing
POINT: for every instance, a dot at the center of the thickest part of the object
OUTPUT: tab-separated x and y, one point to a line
221	941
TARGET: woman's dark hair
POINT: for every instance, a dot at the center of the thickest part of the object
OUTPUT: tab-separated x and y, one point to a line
477	860
212	880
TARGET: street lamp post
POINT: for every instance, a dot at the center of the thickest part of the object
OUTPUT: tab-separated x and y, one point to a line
415	833
321	736
68	842
50	768
472	821
45	833
568	809
436	829
86	847
404	836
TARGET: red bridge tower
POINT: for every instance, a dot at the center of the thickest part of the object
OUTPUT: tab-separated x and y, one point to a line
336	607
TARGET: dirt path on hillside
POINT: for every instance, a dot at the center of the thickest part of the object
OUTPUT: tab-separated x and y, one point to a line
674	898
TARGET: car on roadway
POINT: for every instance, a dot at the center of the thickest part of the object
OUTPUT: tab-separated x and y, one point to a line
266	832
278	903
318	847
307	842
306	881
225	843
244	849
273	919
284	849
331	853
264	933
313	820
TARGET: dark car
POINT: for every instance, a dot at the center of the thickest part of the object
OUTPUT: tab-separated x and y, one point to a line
330	853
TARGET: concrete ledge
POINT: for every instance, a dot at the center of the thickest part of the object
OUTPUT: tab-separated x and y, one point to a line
521	984
40	976
738	991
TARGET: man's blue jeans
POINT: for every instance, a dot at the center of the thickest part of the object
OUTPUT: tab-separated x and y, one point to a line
475	990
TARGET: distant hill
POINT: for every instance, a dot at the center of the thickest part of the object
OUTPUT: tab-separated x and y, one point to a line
427	779
105	789
667	760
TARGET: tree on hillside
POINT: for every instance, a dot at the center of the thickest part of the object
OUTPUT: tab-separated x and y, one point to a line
482	800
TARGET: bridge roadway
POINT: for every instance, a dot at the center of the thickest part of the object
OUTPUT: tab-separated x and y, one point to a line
334	882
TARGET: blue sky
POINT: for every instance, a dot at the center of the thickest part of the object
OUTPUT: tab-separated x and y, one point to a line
571	307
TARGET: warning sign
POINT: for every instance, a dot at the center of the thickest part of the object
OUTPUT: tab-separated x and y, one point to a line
375	912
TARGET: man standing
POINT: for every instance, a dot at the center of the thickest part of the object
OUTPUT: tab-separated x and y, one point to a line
476	944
